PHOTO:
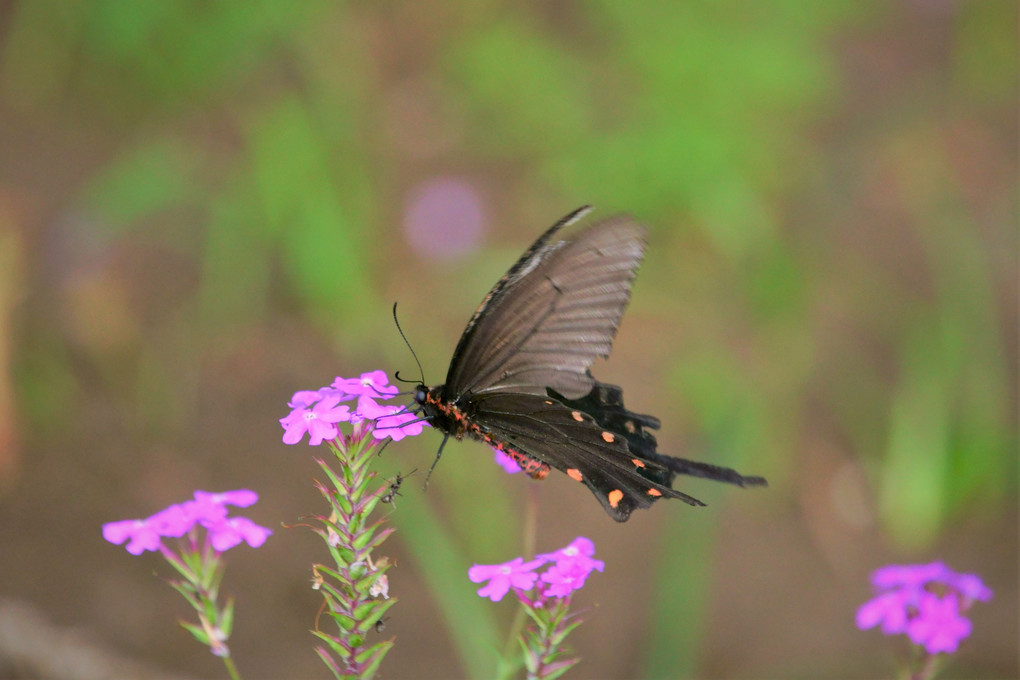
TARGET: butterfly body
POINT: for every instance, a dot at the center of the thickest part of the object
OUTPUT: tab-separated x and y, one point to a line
456	423
520	381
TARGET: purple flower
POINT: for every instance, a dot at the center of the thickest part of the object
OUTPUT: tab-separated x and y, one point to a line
142	534
938	625
145	534
889	609
516	574
242	498
226	533
398	425
211	507
578	553
909	575
925	601
571	566
371	384
369	409
444	218
564	578
317	412
506	462
318	421
173	521
207	509
306	398
970	586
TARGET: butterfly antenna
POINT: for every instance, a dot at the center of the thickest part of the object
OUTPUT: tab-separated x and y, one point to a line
401	331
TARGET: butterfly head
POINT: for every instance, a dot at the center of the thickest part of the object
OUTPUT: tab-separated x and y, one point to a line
429	399
421	395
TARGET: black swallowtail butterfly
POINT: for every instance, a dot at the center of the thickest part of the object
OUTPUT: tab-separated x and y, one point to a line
520	381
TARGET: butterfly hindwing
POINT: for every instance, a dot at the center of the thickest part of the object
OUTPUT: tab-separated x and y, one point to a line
573	442
605	404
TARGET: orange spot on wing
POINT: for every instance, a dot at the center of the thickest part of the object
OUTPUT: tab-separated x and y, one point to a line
637	463
615	496
577	416
608	436
654	492
574	474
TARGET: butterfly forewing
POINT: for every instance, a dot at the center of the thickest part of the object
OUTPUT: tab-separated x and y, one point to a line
551	316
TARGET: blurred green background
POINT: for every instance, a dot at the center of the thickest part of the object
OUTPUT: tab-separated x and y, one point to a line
205	207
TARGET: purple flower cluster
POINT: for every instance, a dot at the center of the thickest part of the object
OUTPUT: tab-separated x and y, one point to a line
925	601
207	510
569	567
318	412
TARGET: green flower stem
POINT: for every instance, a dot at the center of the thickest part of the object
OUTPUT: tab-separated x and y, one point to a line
202	572
355	590
545	654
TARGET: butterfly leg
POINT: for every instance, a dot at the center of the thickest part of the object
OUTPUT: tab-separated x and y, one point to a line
436	461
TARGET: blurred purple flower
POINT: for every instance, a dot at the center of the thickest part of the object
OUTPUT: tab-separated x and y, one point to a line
926	601
909	575
212	507
970	586
889	609
226	533
444	218
242	498
142	534
207	509
516	574
508	464
938	625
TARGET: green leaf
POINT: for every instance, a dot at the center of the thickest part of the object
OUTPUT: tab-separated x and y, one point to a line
372	657
196	631
558	669
379	608
362	538
558	638
330	662
226	620
333	643
378	539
